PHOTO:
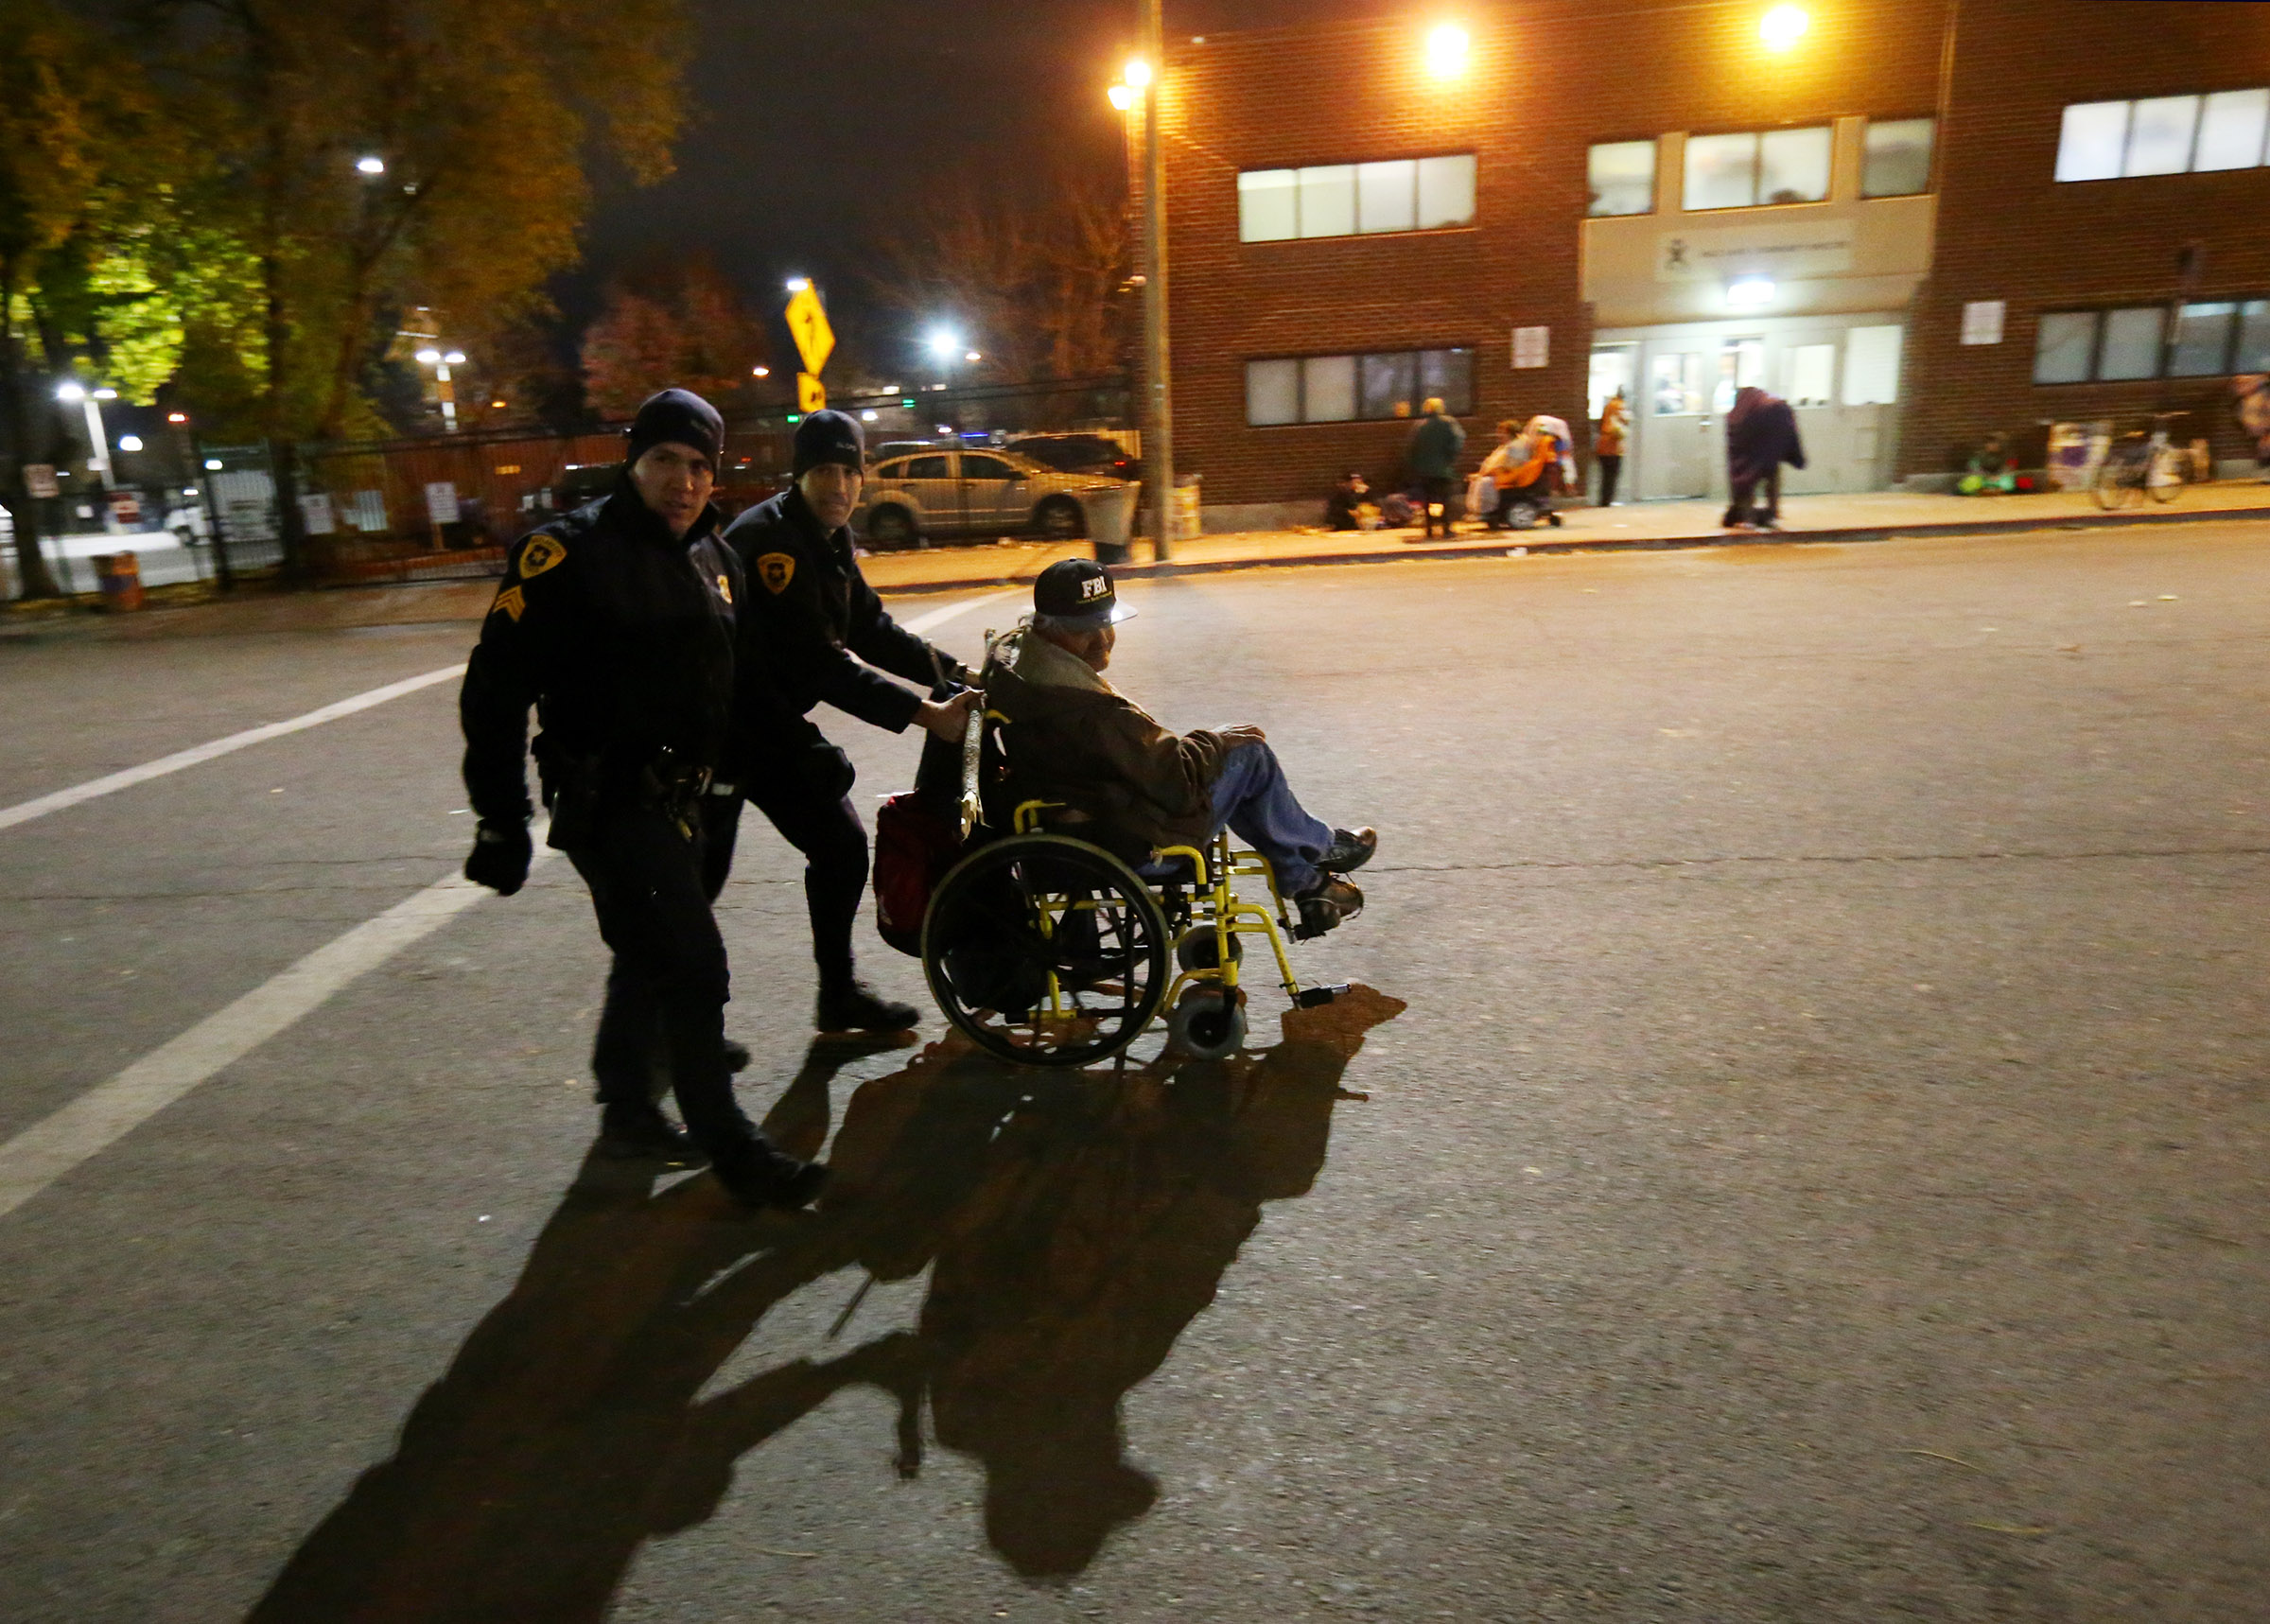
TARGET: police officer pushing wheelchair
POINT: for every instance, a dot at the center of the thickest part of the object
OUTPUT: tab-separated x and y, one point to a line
619	623
813	629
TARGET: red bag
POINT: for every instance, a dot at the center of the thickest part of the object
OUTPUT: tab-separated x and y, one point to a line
913	847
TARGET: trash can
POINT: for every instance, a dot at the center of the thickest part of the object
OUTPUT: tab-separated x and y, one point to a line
1186	507
120	576
1111	519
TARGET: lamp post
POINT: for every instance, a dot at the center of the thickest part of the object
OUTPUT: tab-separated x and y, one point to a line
441	361
1158	438
77	394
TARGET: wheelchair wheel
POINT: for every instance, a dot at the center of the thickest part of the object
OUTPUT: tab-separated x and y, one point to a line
1207	1024
1196	948
1046	951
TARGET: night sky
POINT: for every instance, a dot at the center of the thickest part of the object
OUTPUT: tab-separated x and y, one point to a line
814	126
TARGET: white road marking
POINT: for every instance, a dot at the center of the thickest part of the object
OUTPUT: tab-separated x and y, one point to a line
109	1112
101	1117
24	812
939	617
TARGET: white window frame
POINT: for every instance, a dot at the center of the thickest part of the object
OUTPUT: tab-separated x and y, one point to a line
2205	109
1432	177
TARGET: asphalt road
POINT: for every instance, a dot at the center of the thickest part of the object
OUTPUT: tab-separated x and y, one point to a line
1797	1152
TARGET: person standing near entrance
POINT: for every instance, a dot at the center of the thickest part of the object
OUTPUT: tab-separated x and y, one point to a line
814	630
616	623
1761	435
1432	460
1608	444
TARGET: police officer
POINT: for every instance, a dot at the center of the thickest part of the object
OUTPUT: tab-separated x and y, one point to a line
813	629
618	622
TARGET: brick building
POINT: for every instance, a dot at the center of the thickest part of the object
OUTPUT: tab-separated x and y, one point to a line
1920	220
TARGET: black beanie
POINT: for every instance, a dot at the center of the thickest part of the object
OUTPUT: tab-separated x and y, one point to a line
678	417
829	436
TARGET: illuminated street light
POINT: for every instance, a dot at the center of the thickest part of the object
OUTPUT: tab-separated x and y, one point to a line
799	284
1122	97
455	358
943	341
971	356
71	391
1138	74
1749	293
867	416
106	394
1784	26
761	372
177	417
130	442
429	358
370	165
440	364
1446	50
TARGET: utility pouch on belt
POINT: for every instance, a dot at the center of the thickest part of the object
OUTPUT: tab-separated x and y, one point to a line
676	789
571	795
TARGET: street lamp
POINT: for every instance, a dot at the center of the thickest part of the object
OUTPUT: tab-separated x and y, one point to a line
74	392
1135	97
130	442
440	364
799	284
1783	26
370	164
1446	50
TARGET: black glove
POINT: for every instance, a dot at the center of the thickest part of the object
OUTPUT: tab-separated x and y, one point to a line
499	858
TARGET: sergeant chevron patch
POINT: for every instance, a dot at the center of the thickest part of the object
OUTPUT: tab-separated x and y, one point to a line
510	602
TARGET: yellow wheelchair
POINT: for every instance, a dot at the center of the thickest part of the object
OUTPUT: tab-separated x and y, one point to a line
1047	950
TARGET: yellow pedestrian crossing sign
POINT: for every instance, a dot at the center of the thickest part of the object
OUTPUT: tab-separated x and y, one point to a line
810	393
808	325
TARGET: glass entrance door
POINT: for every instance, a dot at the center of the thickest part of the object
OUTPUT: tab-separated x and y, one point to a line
1675	439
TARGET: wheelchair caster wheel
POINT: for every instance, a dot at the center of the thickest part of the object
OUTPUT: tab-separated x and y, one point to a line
1195	949
1206	1025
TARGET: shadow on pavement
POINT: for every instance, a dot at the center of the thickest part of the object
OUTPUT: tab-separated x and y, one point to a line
1074	1226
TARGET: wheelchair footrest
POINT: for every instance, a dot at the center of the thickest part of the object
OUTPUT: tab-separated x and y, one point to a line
1316	997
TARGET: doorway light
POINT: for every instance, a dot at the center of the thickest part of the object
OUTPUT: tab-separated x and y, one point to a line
1750	293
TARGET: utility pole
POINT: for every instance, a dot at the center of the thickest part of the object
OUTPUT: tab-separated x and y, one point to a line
1158	431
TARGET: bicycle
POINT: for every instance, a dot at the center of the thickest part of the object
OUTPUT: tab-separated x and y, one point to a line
2140	464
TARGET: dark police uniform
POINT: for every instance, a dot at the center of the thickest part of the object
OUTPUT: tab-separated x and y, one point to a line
623	638
809	622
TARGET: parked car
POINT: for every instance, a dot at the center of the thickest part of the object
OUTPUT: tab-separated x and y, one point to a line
944	493
1082	453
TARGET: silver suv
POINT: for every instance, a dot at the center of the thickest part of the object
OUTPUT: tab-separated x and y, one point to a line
967	493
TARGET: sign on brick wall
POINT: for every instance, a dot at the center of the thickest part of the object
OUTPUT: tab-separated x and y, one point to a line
1983	321
1531	345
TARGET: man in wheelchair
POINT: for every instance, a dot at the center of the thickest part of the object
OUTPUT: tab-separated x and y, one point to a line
1129	785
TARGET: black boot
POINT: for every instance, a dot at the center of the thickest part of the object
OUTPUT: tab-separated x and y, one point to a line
855	1007
755	1175
638	1130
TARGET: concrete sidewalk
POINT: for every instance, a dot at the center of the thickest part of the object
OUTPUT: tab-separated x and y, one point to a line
1871	517
1874	516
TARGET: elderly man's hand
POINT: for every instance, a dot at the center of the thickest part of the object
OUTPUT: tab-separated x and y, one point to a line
1244	731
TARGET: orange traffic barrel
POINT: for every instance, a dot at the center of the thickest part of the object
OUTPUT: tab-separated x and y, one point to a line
120	574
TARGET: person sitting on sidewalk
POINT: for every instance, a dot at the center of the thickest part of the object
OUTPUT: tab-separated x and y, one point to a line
1529	466
1348	507
1133	787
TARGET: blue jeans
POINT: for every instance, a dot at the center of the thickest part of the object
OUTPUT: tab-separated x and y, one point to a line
1253	800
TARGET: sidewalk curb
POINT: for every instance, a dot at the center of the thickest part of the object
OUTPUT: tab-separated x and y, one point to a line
1507	540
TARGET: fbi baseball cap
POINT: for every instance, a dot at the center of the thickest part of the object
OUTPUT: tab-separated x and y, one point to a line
1078	593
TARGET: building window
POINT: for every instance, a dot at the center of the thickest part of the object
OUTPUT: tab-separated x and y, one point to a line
2131	345
1623	175
1895	157
2211	337
1342	388
2065	347
1348	200
2164	136
1740	171
1872	366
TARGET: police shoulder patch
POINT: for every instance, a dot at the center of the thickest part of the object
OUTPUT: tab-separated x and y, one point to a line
541	552
510	602
776	570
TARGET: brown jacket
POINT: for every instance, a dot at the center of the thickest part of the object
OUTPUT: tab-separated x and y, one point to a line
1072	738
